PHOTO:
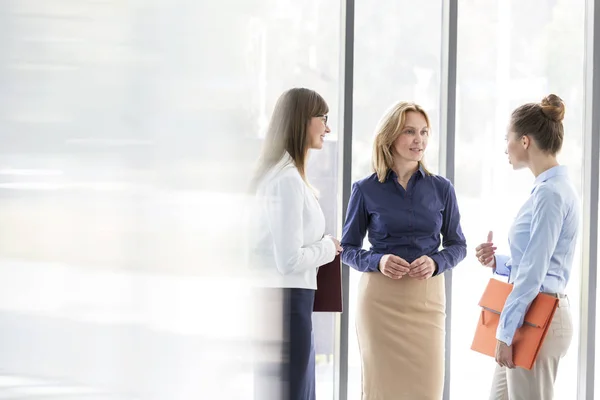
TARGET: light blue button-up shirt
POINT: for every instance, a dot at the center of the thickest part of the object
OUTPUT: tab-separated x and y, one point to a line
542	243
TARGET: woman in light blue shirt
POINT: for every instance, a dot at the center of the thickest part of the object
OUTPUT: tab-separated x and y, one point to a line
542	243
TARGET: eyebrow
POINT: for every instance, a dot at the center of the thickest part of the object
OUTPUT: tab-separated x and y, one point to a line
412	127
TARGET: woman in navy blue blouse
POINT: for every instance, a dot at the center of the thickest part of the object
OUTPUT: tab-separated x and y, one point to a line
401	300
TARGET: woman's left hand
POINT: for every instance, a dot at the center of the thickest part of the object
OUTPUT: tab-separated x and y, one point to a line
422	268
504	355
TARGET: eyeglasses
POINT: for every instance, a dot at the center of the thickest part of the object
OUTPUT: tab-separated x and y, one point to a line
324	118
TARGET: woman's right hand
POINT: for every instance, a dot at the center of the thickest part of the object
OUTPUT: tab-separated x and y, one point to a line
486	252
393	266
338	246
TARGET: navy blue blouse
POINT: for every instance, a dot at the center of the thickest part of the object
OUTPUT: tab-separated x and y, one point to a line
407	223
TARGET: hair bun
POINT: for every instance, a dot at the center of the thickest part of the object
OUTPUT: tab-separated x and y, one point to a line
553	107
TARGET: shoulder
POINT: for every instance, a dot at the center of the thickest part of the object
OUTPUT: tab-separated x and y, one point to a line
285	178
367	184
550	193
439	182
550	189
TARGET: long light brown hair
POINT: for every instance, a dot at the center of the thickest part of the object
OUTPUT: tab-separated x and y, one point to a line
288	131
388	129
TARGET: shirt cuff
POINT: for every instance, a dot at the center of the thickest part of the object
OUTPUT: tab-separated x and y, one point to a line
439	263
505	336
501	267
331	248
374	264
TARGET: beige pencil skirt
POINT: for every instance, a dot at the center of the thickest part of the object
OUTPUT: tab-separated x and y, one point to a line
400	326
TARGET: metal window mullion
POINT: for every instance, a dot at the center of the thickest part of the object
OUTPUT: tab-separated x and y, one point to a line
346	100
448	142
591	148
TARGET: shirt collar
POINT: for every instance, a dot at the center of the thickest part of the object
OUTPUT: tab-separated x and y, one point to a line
285	161
559	170
392	175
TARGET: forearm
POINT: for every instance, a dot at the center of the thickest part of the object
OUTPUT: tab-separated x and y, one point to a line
449	257
360	259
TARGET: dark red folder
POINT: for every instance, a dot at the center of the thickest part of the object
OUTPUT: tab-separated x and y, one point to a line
328	297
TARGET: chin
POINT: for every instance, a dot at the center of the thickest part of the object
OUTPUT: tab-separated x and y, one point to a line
416	157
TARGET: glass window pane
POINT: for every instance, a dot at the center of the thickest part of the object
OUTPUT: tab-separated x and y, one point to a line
509	53
129	131
397	57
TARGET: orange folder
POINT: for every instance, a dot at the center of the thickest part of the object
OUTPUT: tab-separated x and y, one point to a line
528	339
328	297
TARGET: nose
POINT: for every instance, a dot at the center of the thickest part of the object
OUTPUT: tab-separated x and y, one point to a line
327	130
506	150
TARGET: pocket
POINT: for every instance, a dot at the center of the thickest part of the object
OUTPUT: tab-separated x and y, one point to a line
562	324
562	333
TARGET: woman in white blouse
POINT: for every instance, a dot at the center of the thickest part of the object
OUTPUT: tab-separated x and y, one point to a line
290	243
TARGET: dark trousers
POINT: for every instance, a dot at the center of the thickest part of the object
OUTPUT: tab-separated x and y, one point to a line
298	307
292	377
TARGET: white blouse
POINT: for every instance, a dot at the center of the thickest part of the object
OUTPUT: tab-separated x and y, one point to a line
287	242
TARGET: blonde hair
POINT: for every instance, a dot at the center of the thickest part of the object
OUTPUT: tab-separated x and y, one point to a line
288	131
387	131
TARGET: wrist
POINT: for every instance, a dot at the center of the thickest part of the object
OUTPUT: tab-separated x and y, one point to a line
436	266
377	261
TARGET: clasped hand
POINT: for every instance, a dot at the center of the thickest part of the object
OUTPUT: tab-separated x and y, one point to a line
395	267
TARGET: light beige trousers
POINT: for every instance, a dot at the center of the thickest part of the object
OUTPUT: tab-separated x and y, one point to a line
538	383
